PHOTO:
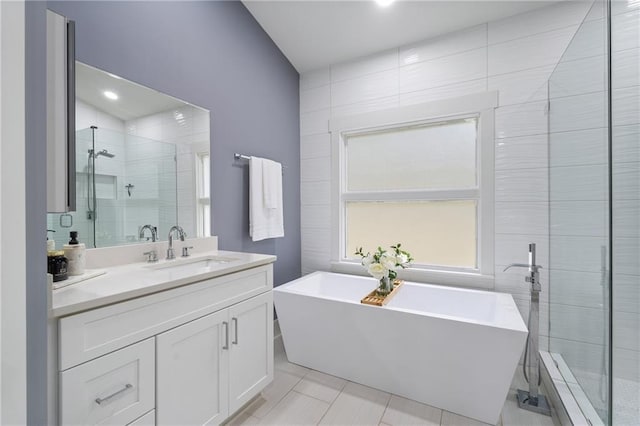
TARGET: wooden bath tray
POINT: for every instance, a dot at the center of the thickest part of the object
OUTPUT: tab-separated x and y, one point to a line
374	299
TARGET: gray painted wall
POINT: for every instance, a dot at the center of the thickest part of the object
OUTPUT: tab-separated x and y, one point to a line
212	54
36	216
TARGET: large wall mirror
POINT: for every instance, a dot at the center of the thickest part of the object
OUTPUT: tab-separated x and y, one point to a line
142	158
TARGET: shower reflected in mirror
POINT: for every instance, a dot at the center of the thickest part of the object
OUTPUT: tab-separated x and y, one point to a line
140	159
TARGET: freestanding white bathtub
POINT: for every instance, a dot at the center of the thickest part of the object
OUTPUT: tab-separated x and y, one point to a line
450	348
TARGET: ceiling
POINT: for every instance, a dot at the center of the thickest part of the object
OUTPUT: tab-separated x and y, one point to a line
134	100
313	34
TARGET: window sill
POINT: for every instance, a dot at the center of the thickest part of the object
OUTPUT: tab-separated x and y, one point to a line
453	279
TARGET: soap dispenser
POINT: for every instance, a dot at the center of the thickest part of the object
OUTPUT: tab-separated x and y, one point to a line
56	262
75	254
51	243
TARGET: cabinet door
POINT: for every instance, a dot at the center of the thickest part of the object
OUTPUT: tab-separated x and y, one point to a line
251	356
192	372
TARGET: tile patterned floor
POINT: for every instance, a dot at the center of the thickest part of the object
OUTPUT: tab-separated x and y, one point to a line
300	396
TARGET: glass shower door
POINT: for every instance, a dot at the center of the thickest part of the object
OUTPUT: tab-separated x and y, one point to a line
579	244
123	182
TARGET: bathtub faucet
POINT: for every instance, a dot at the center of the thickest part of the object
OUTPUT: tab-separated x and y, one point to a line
531	400
534	270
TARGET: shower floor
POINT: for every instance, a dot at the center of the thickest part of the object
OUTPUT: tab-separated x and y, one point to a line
590	389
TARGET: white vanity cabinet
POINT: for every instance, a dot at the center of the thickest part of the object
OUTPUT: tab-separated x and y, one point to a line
250	349
210	367
192	355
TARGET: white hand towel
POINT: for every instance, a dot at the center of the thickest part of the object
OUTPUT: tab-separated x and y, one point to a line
265	199
272	184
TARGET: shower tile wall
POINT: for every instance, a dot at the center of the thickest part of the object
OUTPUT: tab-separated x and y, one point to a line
186	131
626	204
109	171
514	56
188	128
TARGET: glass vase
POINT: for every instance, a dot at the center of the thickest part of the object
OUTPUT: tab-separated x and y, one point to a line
385	287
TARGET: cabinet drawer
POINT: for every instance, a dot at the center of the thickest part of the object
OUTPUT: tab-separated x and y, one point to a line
117	388
87	335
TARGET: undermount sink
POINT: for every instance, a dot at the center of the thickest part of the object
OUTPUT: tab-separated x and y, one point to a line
193	264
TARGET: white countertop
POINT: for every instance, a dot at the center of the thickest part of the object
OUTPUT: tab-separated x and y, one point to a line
133	280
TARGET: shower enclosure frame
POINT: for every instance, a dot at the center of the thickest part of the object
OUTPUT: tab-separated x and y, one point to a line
598	343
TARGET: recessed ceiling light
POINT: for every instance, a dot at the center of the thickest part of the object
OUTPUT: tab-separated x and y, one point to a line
111	95
384	3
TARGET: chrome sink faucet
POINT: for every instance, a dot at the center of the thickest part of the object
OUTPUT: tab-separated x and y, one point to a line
154	232
181	235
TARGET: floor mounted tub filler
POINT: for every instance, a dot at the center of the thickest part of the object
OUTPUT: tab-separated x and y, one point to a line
447	347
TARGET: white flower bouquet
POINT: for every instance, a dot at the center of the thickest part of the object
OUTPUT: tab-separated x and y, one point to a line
383	264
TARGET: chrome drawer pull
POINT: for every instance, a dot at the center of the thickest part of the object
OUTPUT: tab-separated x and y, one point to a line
226	335
100	401
235	322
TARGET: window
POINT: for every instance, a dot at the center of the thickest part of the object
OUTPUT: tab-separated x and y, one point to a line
419	175
203	203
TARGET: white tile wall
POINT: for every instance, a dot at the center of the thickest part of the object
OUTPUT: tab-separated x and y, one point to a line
589	41
457	68
384	61
625	106
365	106
443	92
524	152
313	123
315	193
314	99
185	131
538	21
522	185
577	253
627	33
316	78
625	68
314	146
567	82
521	120
625	144
565	145
579	183
579	112
529	52
626	181
370	86
511	215
462	41
577	288
522	86
626	221
587	218
514	56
